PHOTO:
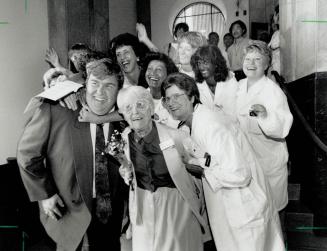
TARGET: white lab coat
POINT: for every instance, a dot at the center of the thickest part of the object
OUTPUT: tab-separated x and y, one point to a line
241	213
224	97
161	115
267	136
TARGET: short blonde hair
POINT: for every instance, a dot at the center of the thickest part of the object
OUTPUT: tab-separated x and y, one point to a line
261	47
194	38
138	92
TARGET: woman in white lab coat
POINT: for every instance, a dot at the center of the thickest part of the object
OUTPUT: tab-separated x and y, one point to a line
241	213
263	113
217	85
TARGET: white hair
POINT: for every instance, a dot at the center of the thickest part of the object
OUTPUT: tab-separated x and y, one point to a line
139	92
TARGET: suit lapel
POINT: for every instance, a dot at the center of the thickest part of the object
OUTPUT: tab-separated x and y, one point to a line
179	175
83	159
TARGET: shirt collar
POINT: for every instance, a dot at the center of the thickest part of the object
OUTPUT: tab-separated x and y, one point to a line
148	138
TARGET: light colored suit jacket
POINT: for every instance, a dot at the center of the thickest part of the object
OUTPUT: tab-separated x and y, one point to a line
55	155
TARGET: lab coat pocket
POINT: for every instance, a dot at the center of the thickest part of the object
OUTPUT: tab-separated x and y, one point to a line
245	207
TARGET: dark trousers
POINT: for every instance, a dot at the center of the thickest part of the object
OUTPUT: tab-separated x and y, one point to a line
102	236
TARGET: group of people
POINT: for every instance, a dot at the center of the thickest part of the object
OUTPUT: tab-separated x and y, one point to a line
203	158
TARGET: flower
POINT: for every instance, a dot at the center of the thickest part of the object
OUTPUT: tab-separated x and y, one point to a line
116	144
115	147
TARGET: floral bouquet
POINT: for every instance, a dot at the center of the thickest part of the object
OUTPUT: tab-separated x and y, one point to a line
115	147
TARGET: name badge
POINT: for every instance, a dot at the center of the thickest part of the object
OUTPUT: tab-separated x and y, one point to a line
166	144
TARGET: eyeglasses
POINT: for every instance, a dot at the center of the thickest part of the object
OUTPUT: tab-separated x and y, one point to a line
140	105
173	98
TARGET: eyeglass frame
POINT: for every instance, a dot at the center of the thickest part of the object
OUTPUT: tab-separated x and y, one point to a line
173	97
128	111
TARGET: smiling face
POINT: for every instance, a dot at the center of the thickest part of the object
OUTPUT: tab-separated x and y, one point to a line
254	65
137	112
101	93
126	58
228	41
206	68
237	31
155	73
179	104
185	52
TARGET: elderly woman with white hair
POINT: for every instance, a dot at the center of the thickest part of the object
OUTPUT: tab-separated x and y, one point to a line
164	204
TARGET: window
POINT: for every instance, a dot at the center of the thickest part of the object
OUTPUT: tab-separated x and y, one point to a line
202	17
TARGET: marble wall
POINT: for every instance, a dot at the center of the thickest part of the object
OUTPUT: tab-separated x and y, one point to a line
24	39
322	36
303	34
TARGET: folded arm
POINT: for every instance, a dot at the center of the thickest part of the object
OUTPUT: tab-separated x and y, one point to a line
228	167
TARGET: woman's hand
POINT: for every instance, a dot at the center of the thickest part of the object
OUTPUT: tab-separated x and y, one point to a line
86	115
48	76
70	102
143	37
125	171
52	58
258	111
141	33
195	170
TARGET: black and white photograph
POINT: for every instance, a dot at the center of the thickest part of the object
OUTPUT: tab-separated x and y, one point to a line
163	125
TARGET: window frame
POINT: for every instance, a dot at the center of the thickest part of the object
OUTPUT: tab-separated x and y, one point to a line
211	13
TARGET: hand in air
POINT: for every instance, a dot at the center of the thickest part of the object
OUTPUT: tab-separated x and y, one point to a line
141	32
52	58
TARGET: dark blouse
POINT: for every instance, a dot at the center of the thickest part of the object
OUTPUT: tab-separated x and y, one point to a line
150	166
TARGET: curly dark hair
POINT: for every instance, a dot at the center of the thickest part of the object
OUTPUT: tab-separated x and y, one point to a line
167	61
212	54
182	26
183	82
128	39
241	24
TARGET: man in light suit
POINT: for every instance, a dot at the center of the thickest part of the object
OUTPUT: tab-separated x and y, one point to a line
56	157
